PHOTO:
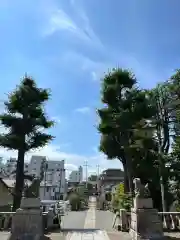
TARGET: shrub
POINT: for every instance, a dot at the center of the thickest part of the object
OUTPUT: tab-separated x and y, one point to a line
125	201
115	204
75	201
121	200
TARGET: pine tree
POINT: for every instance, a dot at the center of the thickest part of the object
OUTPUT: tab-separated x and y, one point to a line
123	120
25	119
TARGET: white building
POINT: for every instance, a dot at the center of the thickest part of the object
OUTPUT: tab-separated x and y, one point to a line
34	167
53	185
49	191
76	176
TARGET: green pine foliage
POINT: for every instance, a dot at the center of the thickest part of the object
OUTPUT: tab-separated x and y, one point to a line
25	119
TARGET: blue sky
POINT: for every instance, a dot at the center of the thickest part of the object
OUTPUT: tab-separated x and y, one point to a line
67	45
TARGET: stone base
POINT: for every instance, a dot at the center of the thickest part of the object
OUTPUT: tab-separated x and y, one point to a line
27	224
135	236
143	203
145	224
30	203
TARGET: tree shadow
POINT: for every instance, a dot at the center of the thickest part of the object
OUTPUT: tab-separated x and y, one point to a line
65	231
171	238
27	237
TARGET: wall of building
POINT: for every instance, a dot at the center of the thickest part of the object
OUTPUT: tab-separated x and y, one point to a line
76	176
46	193
54	174
80	173
54	183
51	192
34	167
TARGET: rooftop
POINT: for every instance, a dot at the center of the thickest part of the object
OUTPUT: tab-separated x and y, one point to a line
113	172
10	183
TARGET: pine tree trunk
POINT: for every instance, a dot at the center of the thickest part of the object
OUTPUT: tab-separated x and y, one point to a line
19	185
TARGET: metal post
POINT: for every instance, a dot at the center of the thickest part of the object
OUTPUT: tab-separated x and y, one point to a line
97	180
86	166
98	166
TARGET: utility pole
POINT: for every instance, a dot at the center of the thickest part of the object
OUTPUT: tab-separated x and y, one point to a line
98	166
86	166
60	182
97	180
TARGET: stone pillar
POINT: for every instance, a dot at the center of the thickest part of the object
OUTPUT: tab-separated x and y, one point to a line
27	223
145	222
123	220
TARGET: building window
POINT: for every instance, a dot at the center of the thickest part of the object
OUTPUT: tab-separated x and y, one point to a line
47	189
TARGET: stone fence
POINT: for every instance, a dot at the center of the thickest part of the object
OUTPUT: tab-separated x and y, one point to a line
50	221
170	220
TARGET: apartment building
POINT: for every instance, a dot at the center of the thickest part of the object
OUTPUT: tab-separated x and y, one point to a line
53	185
76	176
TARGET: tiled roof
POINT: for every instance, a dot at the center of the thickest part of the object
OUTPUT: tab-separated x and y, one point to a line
10	183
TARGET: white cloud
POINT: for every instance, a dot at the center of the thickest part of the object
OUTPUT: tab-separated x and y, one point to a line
59	20
94	76
94	69
77	24
72	160
83	110
86	25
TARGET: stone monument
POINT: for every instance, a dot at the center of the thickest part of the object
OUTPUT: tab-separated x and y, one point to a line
145	222
27	223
